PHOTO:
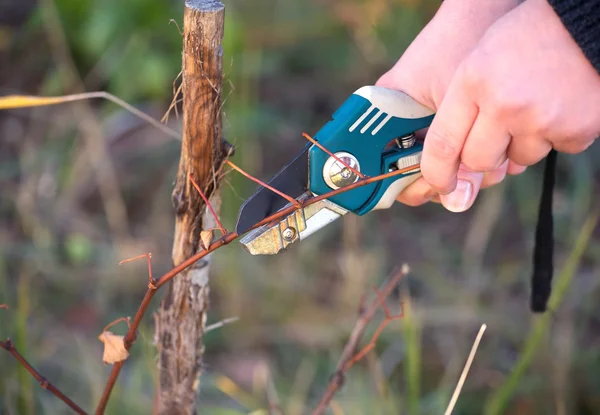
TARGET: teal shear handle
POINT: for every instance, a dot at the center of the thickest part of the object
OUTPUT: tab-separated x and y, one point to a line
360	134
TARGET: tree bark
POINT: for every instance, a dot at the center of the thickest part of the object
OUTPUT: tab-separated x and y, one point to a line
182	315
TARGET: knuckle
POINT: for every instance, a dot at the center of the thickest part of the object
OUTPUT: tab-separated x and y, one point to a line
503	103
438	182
471	71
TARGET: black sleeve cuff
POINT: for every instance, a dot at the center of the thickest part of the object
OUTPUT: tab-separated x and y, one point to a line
582	20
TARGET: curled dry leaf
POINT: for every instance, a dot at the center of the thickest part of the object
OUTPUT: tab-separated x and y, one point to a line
206	238
114	347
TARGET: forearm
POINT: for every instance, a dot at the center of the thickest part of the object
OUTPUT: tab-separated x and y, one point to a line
582	19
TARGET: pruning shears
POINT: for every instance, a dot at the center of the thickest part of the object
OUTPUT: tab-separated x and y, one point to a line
370	134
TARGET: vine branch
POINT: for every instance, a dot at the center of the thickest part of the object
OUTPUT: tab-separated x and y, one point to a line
349	358
225	240
44	383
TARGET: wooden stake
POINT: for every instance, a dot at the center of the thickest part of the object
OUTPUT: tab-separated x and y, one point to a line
182	316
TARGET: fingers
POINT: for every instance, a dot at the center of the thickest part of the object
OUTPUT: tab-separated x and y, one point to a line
486	144
417	193
514	168
496	176
445	139
420	192
527	151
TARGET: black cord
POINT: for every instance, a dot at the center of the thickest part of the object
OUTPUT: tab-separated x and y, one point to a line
543	251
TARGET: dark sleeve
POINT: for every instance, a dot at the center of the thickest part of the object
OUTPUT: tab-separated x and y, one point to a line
582	20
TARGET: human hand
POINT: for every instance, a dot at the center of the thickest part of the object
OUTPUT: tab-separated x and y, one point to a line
524	89
426	68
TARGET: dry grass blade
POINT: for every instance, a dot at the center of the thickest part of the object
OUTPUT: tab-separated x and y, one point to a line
28	101
465	371
220	324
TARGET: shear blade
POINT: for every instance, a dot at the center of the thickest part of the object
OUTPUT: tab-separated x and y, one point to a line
277	235
291	180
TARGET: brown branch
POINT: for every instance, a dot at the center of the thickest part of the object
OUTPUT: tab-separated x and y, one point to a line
263	184
349	358
225	240
339	160
209	206
44	383
148	256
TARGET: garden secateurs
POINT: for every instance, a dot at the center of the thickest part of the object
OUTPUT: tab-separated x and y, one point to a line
370	134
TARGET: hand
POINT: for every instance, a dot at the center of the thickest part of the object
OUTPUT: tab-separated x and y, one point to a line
426	68
525	89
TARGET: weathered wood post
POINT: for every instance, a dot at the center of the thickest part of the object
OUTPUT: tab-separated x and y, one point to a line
181	318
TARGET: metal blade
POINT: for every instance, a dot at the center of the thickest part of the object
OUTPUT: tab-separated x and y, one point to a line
271	238
291	180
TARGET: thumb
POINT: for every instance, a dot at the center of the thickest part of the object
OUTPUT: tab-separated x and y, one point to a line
462	198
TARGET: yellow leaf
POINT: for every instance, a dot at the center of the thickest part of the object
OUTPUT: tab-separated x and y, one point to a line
206	237
114	347
25	101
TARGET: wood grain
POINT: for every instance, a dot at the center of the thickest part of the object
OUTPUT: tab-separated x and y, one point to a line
182	316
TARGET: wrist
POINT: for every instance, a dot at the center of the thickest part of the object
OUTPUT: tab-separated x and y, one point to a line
581	18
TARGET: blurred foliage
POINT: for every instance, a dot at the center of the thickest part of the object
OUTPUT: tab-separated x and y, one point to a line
287	64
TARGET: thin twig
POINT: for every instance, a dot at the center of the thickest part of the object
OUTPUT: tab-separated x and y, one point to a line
220	324
44	383
348	357
148	256
209	206
315	142
465	371
263	184
125	319
225	240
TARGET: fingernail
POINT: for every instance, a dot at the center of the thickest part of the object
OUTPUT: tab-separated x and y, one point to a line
460	199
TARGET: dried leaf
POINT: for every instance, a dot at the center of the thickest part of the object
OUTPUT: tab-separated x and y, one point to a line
114	347
206	237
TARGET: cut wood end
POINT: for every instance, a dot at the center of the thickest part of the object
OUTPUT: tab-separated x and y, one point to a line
205	5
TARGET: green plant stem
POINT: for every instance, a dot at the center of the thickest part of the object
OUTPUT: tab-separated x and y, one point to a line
412	339
500	399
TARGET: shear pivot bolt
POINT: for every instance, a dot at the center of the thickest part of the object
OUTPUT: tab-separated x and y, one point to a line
288	234
337	174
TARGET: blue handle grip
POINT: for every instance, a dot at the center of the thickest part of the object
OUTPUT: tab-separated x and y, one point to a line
363	126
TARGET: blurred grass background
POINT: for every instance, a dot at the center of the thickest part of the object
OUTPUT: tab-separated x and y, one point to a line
288	65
